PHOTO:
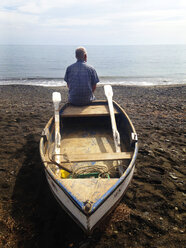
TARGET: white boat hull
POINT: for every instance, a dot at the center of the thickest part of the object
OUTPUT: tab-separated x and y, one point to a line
88	222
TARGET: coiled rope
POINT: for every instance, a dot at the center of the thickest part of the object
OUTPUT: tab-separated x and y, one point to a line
78	170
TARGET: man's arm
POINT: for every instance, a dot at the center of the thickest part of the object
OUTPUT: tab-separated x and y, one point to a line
94	79
93	87
66	77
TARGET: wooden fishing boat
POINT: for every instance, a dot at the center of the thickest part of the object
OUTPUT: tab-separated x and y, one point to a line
89	155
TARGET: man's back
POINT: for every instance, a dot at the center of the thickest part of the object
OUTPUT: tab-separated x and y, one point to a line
81	78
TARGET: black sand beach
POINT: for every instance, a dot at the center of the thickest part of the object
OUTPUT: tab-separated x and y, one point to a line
154	203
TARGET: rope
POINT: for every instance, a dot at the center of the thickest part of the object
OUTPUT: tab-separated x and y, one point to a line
87	169
52	160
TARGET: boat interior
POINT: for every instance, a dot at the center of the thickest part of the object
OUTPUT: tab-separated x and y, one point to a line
87	148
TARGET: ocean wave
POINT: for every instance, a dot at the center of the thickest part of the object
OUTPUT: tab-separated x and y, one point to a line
46	82
128	81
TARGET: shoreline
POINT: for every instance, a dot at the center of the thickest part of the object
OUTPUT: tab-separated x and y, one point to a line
113	80
29	214
99	85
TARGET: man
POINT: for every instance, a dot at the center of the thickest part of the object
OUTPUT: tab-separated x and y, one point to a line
81	79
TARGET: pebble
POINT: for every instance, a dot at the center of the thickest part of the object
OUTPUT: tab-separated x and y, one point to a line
174	151
161	149
146	213
172	175
175	228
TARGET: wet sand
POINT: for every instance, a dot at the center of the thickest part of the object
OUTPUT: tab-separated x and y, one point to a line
154	203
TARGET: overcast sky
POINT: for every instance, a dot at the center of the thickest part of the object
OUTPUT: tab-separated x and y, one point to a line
93	22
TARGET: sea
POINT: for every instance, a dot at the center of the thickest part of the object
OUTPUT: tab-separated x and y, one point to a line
139	65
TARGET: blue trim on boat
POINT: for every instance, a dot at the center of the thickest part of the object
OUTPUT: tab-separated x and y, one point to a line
67	210
118	183
106	195
81	204
72	199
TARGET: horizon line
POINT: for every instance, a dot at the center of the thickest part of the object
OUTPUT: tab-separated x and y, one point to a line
39	44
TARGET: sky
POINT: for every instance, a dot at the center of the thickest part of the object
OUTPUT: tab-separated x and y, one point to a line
93	22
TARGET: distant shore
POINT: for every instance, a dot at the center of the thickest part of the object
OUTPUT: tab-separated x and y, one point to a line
31	217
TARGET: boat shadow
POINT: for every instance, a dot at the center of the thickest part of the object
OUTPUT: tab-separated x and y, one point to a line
40	221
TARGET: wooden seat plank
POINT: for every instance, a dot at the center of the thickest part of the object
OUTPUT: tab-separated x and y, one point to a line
90	157
91	110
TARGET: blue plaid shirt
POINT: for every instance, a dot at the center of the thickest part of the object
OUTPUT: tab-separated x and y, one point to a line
80	78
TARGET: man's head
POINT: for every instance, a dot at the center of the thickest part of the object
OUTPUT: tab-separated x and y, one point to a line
81	54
